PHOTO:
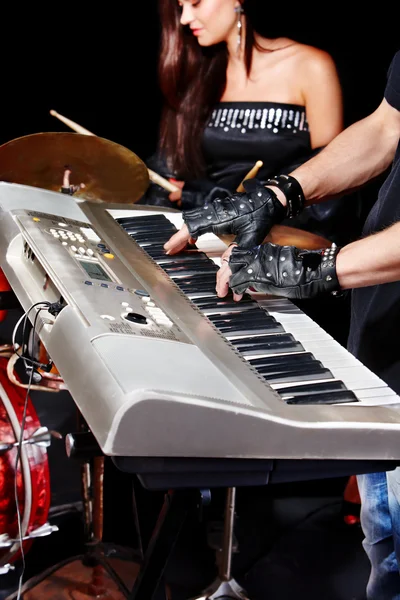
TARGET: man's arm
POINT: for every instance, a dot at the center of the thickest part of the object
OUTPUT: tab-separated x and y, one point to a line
357	155
288	271
373	260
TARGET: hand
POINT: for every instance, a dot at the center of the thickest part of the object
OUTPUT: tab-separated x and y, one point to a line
176	196
178	241
284	271
249	215
224	275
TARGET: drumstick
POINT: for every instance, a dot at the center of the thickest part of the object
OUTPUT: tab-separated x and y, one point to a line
155	177
252	173
71	124
161	181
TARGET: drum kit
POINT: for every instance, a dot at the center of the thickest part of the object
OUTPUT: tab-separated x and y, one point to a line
97	170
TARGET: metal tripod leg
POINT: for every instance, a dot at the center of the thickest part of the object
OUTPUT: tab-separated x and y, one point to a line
224	587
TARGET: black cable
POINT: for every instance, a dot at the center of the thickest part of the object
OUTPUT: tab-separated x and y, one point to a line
33	332
25	343
44	302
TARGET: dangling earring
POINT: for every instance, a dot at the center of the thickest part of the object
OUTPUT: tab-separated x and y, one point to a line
239	11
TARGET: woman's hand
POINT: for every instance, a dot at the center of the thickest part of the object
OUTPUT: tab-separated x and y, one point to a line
176	196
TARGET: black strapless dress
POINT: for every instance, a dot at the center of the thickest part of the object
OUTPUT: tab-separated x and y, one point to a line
240	133
237	135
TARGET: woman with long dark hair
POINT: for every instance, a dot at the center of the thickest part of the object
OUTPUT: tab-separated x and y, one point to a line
232	97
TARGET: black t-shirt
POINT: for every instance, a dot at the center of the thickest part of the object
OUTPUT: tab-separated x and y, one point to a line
375	319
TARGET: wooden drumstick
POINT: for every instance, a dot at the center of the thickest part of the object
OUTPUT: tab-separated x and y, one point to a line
252	173
155	177
71	124
164	183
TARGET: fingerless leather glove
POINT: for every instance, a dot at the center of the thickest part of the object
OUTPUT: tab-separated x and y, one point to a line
284	271
248	215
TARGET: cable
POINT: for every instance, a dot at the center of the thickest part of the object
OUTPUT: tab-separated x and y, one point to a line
19	459
24	318
27	359
33	332
43	305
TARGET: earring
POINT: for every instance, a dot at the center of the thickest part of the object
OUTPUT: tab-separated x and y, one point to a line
239	11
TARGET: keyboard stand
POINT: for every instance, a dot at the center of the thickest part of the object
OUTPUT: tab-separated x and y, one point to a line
224	587
189	481
176	507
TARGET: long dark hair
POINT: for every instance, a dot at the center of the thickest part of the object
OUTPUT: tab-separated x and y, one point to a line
192	80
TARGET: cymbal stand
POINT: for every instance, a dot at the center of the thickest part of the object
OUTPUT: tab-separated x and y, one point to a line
82	445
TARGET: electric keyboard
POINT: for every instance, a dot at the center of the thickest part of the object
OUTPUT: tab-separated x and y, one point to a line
159	366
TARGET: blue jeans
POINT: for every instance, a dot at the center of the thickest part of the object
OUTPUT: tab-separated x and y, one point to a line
380	521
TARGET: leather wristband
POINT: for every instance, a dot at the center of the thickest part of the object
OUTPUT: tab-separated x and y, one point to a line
293	192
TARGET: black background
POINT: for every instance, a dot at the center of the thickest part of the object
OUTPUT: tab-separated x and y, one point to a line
97	64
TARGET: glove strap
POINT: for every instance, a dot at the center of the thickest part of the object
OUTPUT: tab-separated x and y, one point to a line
293	192
328	268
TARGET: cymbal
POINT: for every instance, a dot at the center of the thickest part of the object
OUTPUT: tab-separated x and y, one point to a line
110	172
290	236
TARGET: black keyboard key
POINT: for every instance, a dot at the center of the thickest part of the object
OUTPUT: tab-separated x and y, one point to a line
219	312
145	238
223	302
271	344
189	257
185	271
249	329
335	397
143	219
294	376
292	359
136	229
312	388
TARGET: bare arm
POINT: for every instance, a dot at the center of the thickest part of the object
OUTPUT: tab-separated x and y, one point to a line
322	97
370	261
358	154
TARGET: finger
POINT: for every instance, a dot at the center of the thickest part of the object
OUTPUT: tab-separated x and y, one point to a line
223	276
178	184
227	252
178	241
175	196
237	286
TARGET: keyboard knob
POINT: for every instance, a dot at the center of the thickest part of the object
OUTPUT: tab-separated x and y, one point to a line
136	318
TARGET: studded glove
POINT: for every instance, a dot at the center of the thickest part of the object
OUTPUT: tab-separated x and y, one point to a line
284	271
248	215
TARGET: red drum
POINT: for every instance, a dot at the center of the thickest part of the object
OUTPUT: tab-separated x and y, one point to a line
32	476
4	287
